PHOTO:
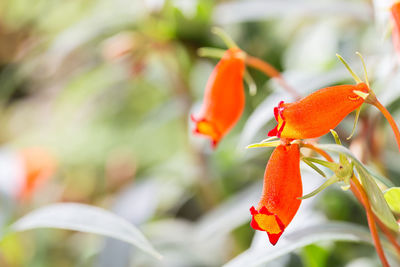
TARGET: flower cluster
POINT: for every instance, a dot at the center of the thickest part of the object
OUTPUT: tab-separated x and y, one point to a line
309	117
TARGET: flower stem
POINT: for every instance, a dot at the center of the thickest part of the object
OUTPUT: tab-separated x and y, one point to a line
318	150
388	233
271	72
390	119
358	190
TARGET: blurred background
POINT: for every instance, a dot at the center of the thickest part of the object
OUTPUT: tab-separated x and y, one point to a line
95	98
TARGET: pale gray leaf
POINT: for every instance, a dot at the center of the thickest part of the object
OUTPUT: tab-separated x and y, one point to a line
333	231
85	218
242	11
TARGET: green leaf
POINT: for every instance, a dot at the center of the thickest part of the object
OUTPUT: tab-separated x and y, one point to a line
330	165
336	137
327	183
392	196
266	144
313	166
341	149
379	205
211	52
375	195
315	256
85	218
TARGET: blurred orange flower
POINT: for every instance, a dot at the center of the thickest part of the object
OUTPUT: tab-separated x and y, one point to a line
316	114
224	97
39	165
395	10
282	188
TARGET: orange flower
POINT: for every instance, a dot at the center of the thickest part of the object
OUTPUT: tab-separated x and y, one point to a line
39	166
282	188
224	97
316	114
395	9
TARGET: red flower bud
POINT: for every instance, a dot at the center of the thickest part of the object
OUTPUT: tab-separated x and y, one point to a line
282	188
316	114
223	98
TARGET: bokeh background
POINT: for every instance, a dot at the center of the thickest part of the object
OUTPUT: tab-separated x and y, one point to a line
104	91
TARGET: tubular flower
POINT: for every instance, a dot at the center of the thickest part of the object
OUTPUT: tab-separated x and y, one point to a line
317	113
223	98
282	188
395	10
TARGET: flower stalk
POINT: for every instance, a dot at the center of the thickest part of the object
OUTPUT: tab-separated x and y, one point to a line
356	186
270	71
390	119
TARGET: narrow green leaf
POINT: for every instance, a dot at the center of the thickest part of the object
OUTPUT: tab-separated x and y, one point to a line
336	137
364	67
330	165
224	36
312	165
342	158
210	52
355	77
327	183
358	110
376	198
266	144
392	196
85	218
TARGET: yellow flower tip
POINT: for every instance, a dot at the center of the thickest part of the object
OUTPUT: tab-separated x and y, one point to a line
263	220
208	129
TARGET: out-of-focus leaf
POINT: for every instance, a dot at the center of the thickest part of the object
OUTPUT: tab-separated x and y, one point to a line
392	196
336	231
375	195
260	117
228	215
315	256
241	11
115	252
85	218
92	25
